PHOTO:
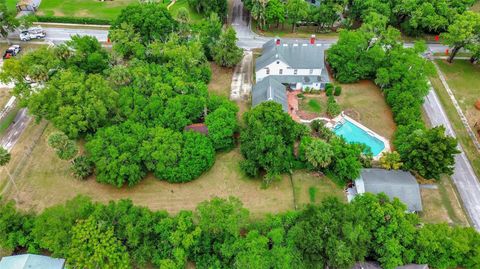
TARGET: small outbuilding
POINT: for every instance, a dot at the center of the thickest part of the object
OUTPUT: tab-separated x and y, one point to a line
198	128
270	90
30	261
394	183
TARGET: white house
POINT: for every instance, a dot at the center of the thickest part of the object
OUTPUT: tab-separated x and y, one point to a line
296	64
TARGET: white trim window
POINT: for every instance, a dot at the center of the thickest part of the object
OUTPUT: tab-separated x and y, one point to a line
295	71
311	71
267	71
280	71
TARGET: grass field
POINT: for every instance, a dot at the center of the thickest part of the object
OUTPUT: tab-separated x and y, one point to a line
442	204
102	10
83	8
463	79
364	101
476	6
314	104
11	4
304	182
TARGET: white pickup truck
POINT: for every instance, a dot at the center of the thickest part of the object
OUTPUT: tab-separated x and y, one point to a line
32	33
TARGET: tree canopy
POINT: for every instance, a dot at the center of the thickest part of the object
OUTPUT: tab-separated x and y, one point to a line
220	233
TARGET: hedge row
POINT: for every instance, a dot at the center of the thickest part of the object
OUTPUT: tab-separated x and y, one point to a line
75	20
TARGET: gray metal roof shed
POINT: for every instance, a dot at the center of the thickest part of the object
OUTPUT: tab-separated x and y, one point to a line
393	183
270	90
30	261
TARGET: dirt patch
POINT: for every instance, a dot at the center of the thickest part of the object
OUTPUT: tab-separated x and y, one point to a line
221	80
433	209
305	182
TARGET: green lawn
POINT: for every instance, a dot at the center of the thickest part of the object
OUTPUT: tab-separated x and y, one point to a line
102	10
464	80
11	4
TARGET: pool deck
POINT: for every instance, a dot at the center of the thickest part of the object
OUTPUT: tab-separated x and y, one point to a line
342	118
331	123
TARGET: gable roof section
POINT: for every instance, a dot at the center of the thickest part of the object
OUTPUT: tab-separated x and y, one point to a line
296	54
400	184
269	89
30	261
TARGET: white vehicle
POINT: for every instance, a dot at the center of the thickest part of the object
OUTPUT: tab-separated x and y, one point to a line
32	33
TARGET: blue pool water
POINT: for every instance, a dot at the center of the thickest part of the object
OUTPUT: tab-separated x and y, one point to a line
354	134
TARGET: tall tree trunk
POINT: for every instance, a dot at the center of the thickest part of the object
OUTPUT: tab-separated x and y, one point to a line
294	26
454	53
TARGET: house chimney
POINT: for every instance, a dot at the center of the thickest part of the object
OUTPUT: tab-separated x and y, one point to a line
312	39
277	41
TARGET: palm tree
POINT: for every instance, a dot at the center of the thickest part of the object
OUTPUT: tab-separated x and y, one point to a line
5	157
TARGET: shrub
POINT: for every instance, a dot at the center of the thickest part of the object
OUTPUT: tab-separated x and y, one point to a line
75	20
338	90
333	109
300	95
65	148
312	192
81	167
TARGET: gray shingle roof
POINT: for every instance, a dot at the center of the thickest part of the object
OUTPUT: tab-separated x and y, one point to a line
27	261
297	54
393	183
269	90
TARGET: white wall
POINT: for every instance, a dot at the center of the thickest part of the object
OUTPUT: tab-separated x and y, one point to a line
278	65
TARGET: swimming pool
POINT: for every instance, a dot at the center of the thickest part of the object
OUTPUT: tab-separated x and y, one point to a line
354	134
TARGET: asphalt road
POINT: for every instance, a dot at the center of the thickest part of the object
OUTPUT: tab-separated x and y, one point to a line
464	177
15	129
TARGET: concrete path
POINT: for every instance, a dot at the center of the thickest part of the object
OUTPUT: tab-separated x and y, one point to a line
463	176
241	86
464	120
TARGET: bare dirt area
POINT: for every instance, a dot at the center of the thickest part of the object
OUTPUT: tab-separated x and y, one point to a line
221	80
4	97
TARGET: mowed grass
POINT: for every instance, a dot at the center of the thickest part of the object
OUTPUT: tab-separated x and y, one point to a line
84	8
314	103
11	4
463	81
313	188
442	204
364	101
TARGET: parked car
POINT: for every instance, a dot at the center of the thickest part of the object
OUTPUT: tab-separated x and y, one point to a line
32	33
12	51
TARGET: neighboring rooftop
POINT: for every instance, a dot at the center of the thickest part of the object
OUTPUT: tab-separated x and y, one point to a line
197	127
298	54
393	183
31	261
270	89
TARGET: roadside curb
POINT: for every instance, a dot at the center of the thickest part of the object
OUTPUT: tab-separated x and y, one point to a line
72	24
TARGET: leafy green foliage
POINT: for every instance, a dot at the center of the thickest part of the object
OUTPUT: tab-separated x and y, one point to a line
4	156
152	21
333	108
296	10
81	167
391	160
346	160
267	140
15	227
65	148
462	32
338	90
209	32
76	103
95	246
222	124
225	51
210	6
8	21
114	151
220	233
318	153
429	152
87	54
